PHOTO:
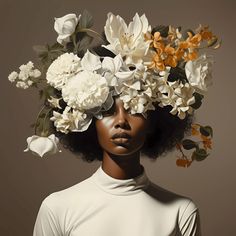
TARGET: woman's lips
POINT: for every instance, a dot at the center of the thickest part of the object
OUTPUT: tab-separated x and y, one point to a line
121	138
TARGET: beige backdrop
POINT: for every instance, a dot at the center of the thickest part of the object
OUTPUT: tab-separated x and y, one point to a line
26	179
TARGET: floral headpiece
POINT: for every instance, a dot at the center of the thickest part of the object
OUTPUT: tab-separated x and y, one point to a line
160	66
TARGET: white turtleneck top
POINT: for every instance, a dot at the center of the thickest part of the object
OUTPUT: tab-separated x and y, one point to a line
104	206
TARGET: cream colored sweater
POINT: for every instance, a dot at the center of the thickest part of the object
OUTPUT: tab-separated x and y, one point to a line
105	206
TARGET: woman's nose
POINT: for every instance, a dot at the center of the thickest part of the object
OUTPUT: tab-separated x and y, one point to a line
122	119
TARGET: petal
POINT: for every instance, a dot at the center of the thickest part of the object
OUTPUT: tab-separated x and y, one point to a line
108	64
114	28
90	62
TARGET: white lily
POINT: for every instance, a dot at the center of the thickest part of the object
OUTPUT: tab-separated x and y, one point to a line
126	40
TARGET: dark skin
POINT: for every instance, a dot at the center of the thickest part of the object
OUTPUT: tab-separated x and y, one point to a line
121	136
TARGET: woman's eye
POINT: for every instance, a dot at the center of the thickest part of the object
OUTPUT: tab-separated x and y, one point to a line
110	112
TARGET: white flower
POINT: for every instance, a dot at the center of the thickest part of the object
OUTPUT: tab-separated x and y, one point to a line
65	27
115	71
74	121
179	96
90	62
198	73
42	145
85	91
54	102
64	67
13	76
126	40
35	73
22	84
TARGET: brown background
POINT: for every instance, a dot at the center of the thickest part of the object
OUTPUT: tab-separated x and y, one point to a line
26	180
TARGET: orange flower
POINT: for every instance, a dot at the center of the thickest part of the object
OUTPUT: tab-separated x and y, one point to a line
157	62
207	143
194	130
183	162
171	59
205	33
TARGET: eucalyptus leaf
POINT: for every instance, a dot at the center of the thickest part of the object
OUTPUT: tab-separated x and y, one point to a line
199	155
198	100
212	42
185	33
164	30
206	131
188	144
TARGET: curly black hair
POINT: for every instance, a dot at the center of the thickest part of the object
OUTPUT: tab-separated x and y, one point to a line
167	130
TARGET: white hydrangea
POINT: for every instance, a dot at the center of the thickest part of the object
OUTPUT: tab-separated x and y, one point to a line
74	121
13	76
85	91
22	84
63	68
24	78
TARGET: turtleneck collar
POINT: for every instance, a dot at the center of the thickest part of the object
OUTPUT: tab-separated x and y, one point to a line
120	186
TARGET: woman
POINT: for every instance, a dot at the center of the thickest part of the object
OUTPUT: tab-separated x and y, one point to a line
118	199
135	93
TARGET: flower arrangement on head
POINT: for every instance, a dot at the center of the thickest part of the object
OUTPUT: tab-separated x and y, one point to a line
161	66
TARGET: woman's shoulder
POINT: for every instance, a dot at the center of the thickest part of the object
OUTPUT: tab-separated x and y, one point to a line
76	193
170	198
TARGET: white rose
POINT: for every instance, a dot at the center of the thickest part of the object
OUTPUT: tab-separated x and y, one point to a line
42	145
65	27
198	73
64	67
86	90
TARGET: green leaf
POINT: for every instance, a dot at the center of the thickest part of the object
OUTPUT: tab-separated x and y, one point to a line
206	131
185	33
177	73
199	154
188	144
41	50
86	20
56	46
164	30
198	100
212	42
84	43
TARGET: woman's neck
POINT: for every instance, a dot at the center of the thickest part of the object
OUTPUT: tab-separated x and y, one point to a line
122	167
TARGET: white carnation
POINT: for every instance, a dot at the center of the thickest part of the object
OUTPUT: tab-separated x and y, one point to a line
85	91
63	68
198	73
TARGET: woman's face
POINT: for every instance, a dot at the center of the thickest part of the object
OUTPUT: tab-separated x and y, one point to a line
120	133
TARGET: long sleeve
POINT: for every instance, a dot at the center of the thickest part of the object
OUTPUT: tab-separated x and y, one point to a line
190	221
46	223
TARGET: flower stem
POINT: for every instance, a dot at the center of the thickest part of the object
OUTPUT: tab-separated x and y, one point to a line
35	127
92	31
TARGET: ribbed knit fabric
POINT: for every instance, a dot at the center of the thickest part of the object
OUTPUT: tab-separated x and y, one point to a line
105	206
